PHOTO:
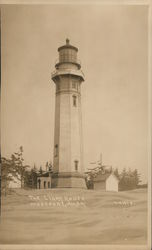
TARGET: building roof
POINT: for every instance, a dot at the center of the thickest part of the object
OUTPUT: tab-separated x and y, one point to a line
45	174
103	177
67	46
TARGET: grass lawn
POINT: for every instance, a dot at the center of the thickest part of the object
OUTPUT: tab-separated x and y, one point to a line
73	216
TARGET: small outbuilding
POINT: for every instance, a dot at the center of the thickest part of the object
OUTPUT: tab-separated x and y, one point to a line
106	182
44	180
14	182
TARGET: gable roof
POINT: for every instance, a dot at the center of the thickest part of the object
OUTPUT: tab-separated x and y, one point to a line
45	174
103	177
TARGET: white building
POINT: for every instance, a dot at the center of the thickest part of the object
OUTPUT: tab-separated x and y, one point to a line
14	183
112	183
44	180
106	182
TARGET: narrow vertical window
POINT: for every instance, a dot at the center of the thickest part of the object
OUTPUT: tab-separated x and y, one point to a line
57	87
39	183
76	165
74	85
74	101
56	150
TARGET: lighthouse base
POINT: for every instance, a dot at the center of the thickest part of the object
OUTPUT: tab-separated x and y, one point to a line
68	180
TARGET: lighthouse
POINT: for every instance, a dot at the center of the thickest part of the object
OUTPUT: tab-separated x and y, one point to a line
68	169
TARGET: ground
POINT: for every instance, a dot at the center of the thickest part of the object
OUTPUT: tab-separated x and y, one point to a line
73	216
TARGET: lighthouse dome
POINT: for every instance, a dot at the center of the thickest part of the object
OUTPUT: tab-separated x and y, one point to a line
67	53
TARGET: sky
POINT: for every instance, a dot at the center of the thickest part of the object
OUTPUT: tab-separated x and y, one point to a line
112	42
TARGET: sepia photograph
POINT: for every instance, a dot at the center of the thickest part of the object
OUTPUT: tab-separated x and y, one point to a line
75	125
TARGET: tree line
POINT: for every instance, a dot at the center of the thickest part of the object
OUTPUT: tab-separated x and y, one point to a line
14	169
128	179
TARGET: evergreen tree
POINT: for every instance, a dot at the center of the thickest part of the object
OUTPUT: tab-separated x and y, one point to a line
89	180
30	180
129	179
18	163
40	170
136	176
34	177
116	173
8	173
123	179
47	166
50	167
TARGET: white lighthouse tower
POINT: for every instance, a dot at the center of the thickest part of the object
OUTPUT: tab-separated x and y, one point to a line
68	169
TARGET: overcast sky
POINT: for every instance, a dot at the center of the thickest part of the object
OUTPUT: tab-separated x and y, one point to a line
112	43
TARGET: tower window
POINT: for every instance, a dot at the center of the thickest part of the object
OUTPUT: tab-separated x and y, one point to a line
56	150
57	87
74	101
76	165
74	85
